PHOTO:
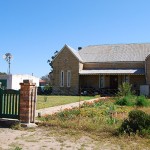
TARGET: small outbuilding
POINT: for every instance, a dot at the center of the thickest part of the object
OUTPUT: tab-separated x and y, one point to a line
13	81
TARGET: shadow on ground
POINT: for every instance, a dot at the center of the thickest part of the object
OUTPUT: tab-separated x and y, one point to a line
7	123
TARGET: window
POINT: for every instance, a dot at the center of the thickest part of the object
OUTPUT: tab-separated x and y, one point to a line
126	78
101	81
62	78
68	78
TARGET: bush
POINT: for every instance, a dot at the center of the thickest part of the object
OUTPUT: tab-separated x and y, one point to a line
131	100
138	121
142	101
126	101
125	89
44	90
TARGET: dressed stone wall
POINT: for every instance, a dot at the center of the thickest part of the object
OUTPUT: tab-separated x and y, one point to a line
66	61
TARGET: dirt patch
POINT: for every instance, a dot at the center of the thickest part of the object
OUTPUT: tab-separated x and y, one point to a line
44	138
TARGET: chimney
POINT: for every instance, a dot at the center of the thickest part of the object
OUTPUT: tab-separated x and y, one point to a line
79	48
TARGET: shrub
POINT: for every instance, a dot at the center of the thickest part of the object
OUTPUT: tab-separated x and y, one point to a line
131	100
47	90
142	101
125	89
126	100
138	121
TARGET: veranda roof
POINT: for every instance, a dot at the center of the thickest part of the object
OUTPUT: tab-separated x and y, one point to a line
137	71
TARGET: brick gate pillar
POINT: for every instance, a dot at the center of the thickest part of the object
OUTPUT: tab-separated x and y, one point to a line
27	101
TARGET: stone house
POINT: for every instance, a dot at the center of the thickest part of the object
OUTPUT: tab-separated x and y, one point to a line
101	68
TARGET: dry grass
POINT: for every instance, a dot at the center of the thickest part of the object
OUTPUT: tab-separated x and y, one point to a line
100	140
99	122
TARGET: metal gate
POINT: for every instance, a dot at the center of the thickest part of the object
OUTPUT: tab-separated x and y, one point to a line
9	104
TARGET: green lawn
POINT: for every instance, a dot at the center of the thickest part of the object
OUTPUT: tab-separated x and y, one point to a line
50	101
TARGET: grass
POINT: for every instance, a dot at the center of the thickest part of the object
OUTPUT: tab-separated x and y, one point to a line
103	140
92	116
87	118
99	120
50	101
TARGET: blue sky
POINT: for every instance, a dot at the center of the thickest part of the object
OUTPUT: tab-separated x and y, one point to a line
32	30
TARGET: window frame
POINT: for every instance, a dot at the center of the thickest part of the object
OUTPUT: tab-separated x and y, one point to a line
68	78
101	81
62	74
126	78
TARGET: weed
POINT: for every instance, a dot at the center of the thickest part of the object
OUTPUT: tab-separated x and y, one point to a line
142	101
16	126
18	148
45	98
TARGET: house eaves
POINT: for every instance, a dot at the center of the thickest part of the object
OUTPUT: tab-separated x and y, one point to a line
138	71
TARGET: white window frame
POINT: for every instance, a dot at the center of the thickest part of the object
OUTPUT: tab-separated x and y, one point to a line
101	81
62	74
68	78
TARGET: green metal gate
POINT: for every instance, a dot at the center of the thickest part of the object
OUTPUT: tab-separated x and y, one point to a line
9	104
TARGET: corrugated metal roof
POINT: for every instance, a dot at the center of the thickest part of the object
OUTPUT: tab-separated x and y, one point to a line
113	71
115	52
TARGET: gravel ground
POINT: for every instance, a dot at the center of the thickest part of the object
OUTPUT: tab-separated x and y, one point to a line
42	139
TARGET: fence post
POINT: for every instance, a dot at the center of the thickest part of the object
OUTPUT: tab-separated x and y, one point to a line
27	101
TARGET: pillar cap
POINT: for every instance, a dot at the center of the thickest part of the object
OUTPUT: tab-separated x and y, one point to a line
27	81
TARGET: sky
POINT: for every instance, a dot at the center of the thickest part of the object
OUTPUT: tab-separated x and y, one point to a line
32	30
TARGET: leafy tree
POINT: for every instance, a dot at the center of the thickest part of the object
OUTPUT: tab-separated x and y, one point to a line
50	61
46	78
3	73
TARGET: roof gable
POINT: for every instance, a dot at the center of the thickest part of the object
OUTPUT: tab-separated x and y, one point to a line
75	53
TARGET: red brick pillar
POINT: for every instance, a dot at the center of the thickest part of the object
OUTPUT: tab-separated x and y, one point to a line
27	101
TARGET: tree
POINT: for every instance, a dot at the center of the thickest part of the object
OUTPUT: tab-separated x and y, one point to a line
3	73
8	57
50	61
46	78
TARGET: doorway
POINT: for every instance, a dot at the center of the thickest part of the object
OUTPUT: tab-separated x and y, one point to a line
113	82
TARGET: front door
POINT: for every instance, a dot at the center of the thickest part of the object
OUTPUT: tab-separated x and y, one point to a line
113	82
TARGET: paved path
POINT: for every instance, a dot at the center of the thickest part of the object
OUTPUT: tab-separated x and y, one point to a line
52	110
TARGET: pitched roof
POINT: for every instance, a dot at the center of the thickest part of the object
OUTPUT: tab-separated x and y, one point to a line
74	52
115	52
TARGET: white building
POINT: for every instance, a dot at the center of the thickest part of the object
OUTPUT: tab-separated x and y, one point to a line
13	81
